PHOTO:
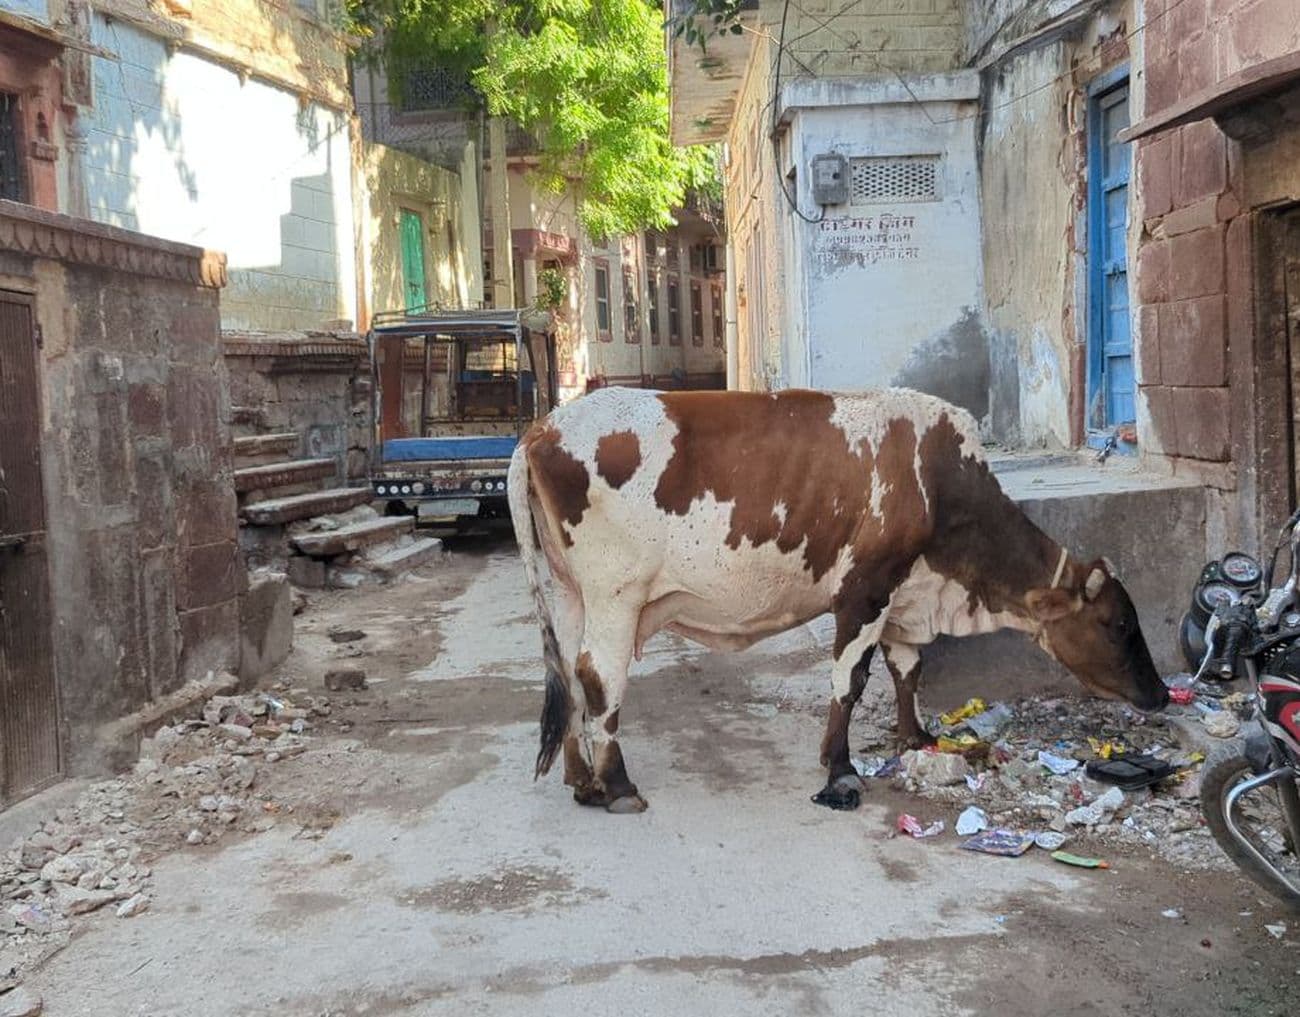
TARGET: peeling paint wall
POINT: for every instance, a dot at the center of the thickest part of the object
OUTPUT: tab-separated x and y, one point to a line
1029	172
1033	172
395	181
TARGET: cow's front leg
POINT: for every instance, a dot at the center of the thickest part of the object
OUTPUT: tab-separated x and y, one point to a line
904	663
848	679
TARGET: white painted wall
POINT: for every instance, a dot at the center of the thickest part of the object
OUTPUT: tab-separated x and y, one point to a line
34	9
179	147
861	308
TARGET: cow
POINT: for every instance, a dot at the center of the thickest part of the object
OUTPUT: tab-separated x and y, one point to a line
727	517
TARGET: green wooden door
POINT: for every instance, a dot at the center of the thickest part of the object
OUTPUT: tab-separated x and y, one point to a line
412	234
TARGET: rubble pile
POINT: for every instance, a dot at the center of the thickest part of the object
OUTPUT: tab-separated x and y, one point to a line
195	781
1023	766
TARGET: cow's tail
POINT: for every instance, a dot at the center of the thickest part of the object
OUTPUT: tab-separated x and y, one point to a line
556	705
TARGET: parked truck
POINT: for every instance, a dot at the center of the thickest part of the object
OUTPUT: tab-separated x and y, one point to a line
453	392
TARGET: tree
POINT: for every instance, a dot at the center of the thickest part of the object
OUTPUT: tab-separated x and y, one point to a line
587	78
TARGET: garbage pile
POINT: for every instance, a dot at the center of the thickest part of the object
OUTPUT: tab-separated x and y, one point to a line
1088	773
195	782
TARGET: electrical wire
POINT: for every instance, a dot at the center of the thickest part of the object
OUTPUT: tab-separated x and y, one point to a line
996	107
776	144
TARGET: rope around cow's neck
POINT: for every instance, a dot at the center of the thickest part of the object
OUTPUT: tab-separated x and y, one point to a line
1060	569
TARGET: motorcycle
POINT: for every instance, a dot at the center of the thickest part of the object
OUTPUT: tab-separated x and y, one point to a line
1241	625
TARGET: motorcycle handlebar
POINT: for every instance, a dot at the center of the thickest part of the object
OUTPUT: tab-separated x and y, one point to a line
1235	635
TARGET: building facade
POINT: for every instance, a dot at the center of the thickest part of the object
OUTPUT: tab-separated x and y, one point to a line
941	194
643	310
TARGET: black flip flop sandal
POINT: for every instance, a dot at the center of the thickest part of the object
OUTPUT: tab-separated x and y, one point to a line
1129	773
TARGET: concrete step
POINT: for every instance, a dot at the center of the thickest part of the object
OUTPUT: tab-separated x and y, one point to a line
277	511
390	562
262	449
353	537
290	473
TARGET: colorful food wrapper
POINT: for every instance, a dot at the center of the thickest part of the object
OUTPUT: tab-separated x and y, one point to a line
972	707
1001	842
909	824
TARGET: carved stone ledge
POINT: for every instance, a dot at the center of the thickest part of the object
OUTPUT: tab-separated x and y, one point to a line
36	232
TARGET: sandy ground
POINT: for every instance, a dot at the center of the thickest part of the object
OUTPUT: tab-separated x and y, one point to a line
423	872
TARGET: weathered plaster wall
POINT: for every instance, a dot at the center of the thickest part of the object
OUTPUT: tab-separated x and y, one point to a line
890	291
1030	172
276	40
397	181
1033	166
179	146
136	457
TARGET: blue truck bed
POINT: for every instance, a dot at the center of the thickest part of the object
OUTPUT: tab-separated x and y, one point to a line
412	450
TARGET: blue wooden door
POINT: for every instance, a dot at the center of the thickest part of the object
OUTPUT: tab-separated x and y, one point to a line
1110	337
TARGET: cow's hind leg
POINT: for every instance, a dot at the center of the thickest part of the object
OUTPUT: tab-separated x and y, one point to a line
601	669
904	663
577	749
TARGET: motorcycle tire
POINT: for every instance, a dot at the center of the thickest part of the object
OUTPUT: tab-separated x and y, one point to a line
1226	767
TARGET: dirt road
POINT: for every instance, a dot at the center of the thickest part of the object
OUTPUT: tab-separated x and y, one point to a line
422	871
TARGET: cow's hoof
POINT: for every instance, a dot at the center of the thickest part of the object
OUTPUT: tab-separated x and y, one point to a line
924	740
842	794
627	805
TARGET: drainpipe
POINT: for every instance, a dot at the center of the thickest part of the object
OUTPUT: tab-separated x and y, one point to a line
731	326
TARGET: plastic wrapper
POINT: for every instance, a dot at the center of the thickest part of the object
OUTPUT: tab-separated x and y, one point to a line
1008	843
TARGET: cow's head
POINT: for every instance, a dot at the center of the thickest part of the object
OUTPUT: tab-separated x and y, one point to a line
1093	630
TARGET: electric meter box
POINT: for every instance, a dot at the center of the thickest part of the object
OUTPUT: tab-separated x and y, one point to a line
830	179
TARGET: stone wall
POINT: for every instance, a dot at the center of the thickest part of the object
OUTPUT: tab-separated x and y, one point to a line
315	384
144	575
1202	198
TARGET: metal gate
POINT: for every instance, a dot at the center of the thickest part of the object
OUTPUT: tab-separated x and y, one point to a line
29	723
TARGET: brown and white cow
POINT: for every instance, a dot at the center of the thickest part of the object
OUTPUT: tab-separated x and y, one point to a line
727	517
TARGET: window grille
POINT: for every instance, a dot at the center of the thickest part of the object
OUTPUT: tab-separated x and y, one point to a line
435	88
874	179
11	167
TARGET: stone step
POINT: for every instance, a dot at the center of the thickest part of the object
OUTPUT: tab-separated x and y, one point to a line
392	562
355	536
247	419
289	473
277	511
261	449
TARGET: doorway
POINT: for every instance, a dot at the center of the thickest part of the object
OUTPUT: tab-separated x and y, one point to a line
29	717
1111	384
411	229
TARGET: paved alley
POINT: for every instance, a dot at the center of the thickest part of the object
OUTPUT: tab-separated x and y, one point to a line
436	877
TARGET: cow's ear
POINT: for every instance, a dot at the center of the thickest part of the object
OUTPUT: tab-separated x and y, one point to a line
1051	604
